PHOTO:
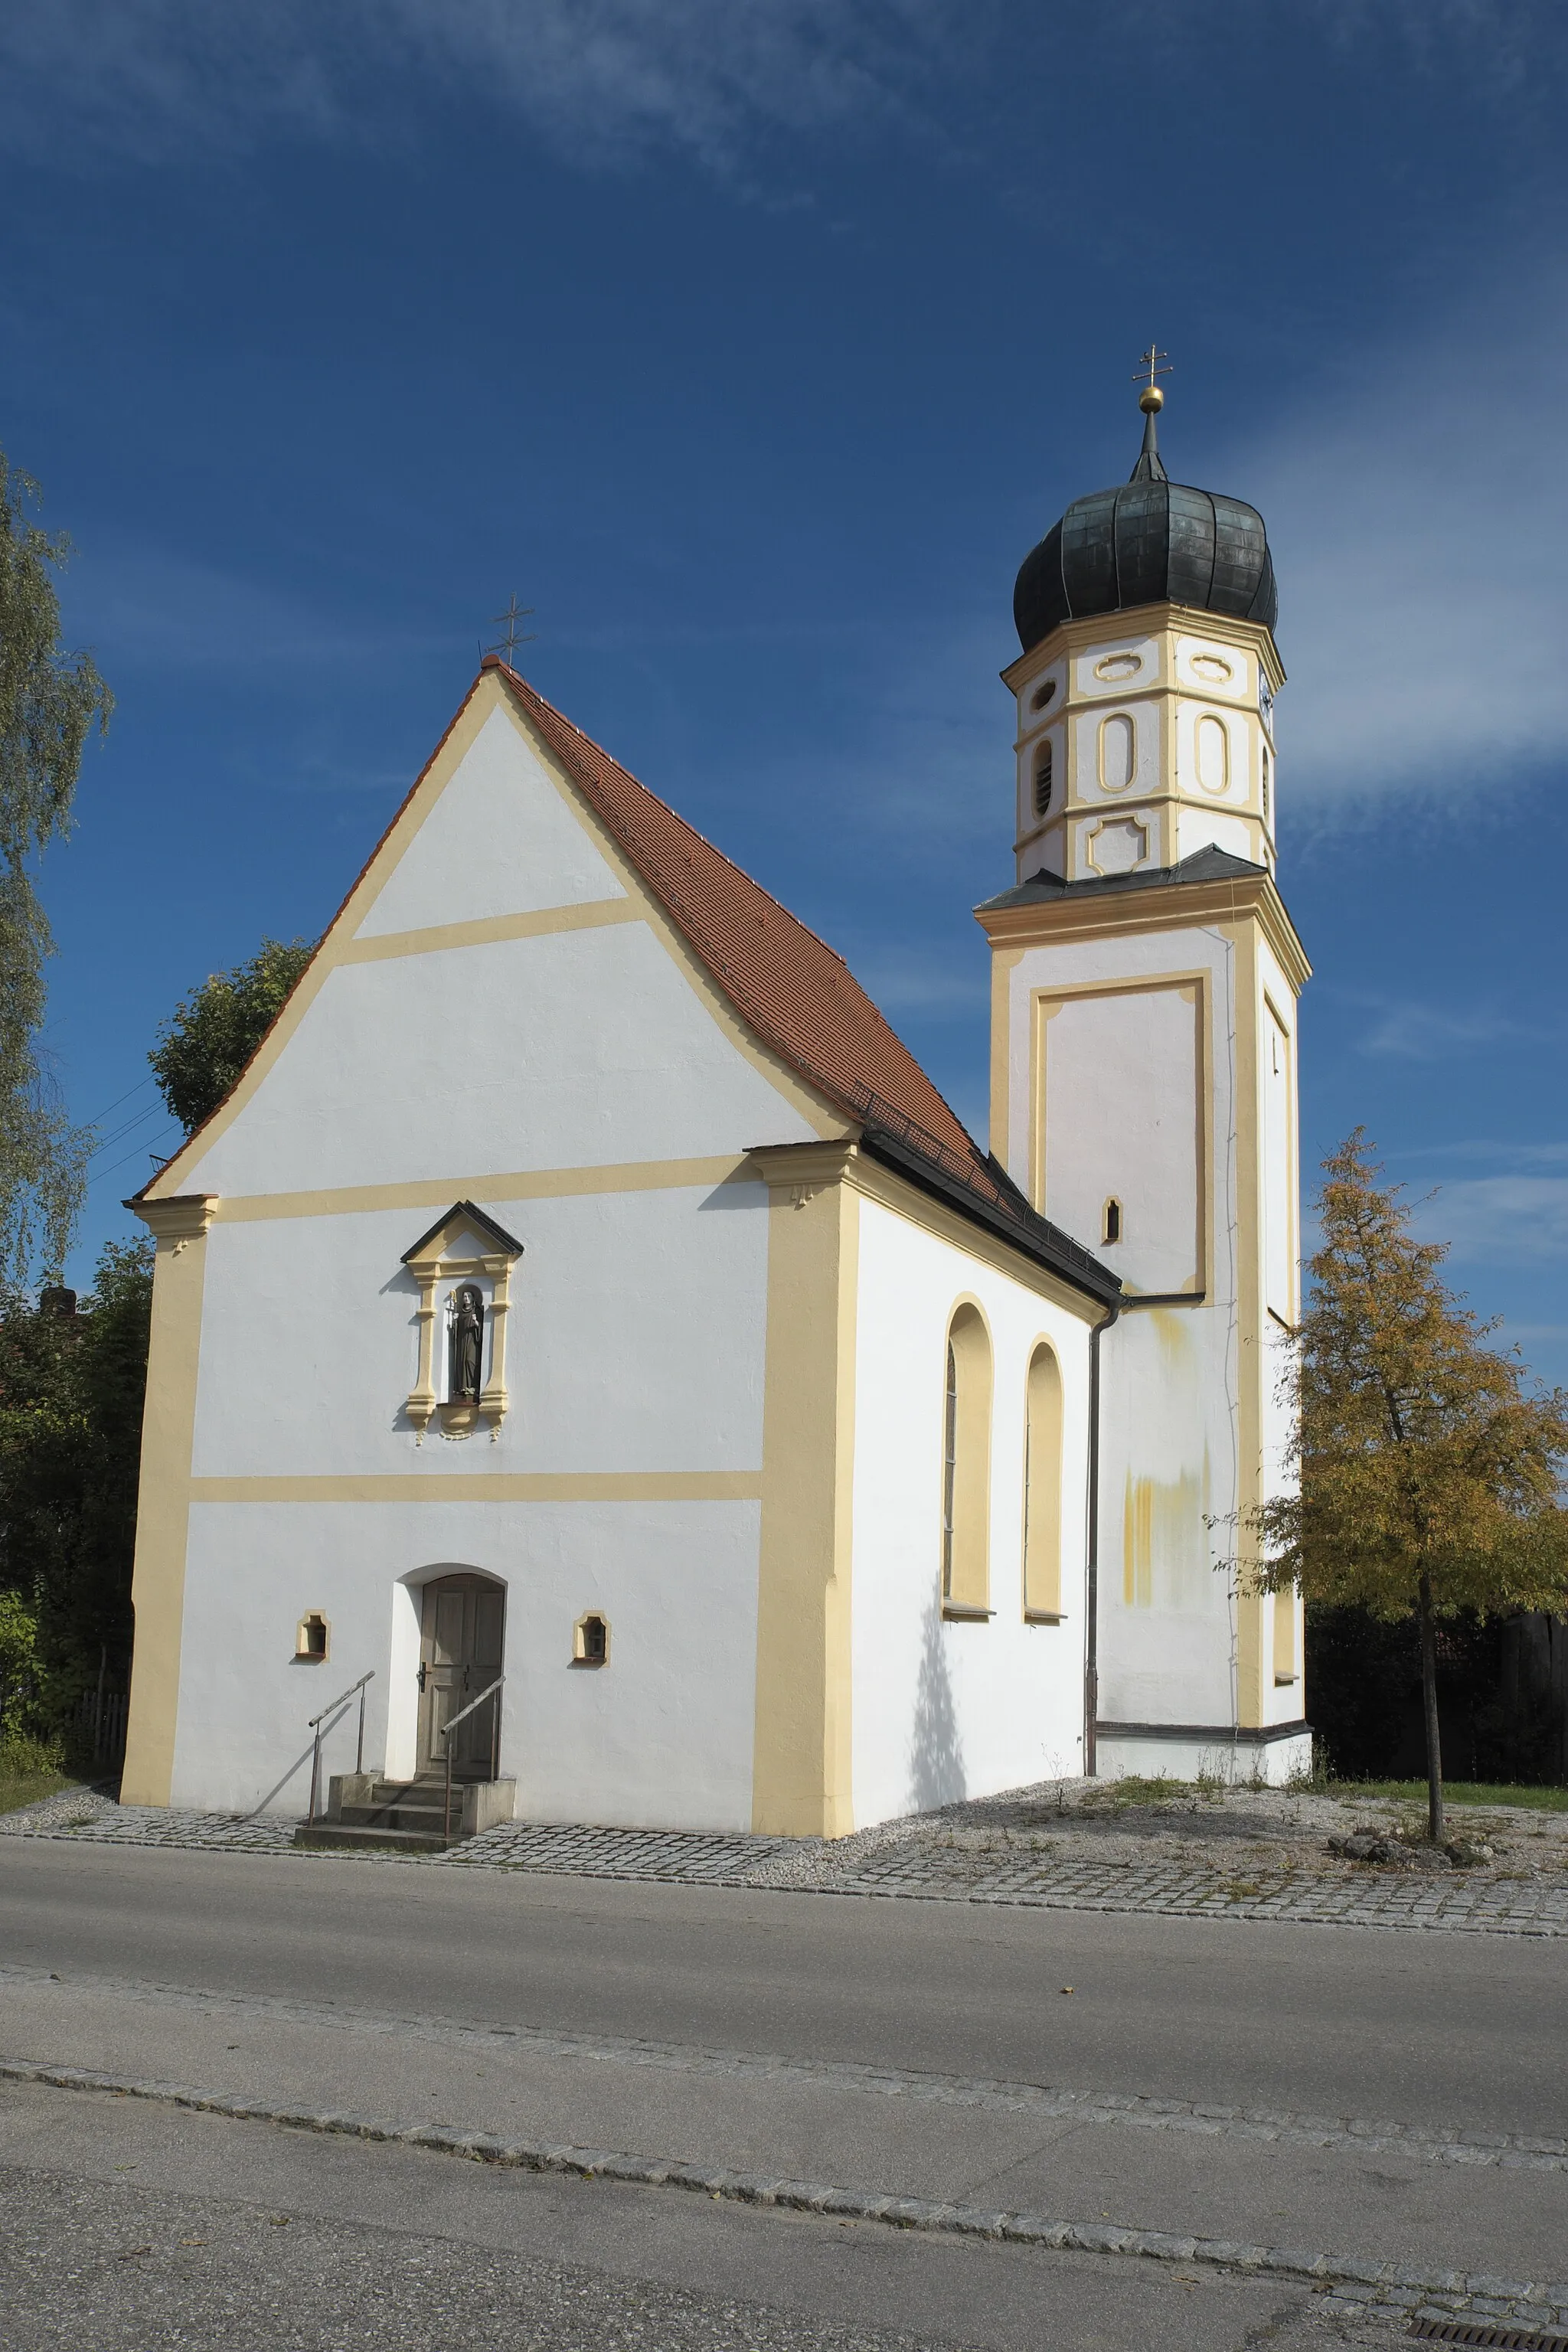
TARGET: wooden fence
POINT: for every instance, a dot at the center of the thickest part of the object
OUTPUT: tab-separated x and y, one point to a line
100	1720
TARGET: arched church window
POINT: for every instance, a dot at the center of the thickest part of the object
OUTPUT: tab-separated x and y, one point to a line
1042	1488
1111	1225
966	1467
1042	780
1266	785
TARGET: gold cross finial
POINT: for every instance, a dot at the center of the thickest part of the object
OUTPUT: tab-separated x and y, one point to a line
1150	400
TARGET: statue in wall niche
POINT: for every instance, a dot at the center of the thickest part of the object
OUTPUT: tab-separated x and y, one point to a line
467	1331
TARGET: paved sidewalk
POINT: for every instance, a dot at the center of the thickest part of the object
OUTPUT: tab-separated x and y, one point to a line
901	1860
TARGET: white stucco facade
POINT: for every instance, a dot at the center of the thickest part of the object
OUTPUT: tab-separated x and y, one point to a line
882	1480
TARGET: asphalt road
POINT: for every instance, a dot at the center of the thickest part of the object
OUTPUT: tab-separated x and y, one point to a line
1424	2026
527	2005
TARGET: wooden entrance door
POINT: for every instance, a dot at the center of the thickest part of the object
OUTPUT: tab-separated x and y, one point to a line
462	1642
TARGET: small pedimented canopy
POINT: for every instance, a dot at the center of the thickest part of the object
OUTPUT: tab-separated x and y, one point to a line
462	1216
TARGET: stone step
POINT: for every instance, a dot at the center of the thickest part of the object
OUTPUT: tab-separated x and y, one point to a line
398	1815
350	1836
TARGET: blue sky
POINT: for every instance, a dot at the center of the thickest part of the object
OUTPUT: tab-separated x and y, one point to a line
754	346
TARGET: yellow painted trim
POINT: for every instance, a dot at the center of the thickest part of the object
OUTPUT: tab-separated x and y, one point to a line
168	1434
440	938
514	1184
502	1486
1193	985
1004	964
802	1783
1042	1532
1287	1029
1253	1364
965	1591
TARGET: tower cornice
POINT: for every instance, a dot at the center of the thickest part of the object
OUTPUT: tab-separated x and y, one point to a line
1035	914
1146	620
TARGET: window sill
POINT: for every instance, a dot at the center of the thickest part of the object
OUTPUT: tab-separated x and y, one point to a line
1045	1616
1285	1682
958	1613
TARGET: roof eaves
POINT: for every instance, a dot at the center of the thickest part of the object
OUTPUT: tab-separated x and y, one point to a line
1033	1236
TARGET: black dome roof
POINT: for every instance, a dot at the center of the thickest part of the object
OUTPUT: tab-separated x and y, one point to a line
1149	542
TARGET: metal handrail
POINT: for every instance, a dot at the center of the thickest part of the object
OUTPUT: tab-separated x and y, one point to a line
316	1722
450	1725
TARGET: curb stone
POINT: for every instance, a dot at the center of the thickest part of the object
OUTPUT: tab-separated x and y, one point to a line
1352	2283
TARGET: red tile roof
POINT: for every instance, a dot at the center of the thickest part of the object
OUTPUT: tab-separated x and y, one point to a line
789	987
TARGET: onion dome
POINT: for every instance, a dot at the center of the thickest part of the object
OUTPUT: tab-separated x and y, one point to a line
1149	542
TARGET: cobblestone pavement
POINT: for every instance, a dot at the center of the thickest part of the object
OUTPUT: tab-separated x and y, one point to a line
942	1858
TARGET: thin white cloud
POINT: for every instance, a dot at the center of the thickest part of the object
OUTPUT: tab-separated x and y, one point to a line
595	79
1401	1030
1499	1220
1419	516
150	608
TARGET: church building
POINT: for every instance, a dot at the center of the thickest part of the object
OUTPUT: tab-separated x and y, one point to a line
585	1325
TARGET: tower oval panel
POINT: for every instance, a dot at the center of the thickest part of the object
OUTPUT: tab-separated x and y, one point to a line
1213	748
1118	752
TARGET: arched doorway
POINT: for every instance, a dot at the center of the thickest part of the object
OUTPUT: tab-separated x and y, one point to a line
462	1645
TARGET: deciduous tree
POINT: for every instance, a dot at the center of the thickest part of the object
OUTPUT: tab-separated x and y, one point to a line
1429	1472
49	702
203	1048
72	1377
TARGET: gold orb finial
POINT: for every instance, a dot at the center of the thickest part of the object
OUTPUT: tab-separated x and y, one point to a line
1150	400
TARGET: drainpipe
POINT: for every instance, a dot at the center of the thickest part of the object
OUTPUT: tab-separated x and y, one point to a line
1091	1607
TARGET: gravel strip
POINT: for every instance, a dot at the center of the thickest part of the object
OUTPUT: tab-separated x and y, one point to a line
1357	2283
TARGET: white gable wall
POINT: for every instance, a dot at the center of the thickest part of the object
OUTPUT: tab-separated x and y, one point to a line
577	1049
498	841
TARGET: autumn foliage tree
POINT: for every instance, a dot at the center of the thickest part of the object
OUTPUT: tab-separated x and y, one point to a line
1428	1474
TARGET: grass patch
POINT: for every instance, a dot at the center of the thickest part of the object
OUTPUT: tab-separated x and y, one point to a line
1133	1788
30	1769
1457	1792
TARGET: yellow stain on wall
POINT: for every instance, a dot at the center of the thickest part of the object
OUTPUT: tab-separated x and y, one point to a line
1161	1519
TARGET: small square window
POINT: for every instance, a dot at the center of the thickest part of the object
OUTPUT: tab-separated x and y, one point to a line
591	1641
312	1639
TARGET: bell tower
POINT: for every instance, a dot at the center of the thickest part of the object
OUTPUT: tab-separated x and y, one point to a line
1145	978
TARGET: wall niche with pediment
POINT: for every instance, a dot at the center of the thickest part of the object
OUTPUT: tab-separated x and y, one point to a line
463	1267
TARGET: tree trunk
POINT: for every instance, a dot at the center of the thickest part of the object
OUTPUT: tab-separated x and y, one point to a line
1436	1825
